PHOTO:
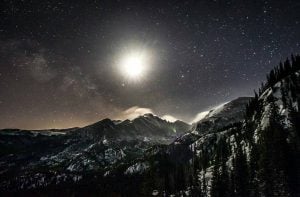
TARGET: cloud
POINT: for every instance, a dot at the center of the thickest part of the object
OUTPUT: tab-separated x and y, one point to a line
169	118
133	112
136	111
199	116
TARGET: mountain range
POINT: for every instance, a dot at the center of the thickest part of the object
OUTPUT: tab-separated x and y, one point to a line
249	146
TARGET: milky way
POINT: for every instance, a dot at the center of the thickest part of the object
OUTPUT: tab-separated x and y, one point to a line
58	58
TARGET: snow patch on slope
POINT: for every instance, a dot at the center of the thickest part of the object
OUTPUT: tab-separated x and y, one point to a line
200	116
210	113
137	168
217	110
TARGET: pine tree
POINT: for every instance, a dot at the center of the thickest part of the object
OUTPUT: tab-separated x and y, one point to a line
216	181
287	68
253	169
294	157
283	96
180	177
240	173
273	159
220	181
203	184
231	189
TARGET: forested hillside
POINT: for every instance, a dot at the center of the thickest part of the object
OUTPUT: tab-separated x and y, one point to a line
258	156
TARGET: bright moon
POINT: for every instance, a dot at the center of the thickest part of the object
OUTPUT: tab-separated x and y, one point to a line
134	65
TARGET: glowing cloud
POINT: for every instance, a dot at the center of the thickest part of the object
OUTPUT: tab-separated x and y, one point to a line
133	112
199	116
169	118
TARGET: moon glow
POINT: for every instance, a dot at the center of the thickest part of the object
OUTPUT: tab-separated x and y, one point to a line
134	66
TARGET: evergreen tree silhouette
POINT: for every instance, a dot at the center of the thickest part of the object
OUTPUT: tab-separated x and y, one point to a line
273	159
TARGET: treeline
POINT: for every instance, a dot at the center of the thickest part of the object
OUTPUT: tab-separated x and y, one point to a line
273	166
278	73
270	168
281	71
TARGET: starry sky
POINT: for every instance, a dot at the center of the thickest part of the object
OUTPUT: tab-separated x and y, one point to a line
58	58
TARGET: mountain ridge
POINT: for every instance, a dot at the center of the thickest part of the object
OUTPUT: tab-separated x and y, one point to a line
249	150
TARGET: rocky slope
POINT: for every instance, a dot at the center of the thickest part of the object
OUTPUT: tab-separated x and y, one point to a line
31	160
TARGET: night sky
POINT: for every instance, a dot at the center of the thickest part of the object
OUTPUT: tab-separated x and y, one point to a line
59	60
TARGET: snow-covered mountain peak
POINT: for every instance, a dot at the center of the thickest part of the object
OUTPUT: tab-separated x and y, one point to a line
222	115
148	125
228	109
